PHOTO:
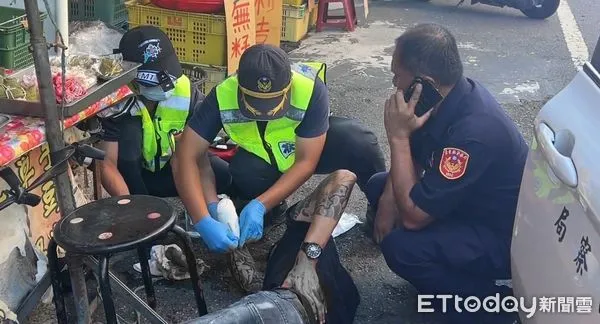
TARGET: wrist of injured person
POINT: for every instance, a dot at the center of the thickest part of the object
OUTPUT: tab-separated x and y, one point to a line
302	258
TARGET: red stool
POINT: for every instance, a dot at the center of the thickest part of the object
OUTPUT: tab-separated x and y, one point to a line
348	20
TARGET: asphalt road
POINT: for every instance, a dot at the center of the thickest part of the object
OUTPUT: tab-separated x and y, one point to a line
522	61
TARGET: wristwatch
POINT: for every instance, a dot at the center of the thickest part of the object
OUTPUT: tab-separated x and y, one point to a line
312	250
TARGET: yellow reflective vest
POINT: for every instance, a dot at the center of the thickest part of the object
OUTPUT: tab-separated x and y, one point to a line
170	117
278	146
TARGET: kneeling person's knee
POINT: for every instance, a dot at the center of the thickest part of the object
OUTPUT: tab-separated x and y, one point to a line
403	250
375	186
343	176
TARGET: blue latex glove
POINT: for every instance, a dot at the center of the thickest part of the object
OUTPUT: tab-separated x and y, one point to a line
212	209
216	235
251	222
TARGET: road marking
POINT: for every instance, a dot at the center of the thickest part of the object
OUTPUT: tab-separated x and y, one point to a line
575	43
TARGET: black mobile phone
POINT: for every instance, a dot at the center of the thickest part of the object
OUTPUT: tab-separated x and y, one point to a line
429	96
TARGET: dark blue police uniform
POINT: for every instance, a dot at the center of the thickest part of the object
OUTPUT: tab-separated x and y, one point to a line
472	157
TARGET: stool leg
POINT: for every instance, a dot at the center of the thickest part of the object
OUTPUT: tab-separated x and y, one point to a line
321	15
107	301
348	14
150	296
191	261
59	299
354	16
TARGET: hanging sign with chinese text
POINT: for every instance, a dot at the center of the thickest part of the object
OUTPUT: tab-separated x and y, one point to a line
268	21
240	18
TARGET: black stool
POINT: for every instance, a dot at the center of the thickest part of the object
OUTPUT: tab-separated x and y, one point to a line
113	225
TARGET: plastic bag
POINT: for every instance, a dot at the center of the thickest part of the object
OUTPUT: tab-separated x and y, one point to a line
346	223
103	67
93	38
91	45
73	88
109	66
10	88
84	76
29	83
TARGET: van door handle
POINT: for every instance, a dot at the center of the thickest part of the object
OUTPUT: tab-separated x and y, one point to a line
557	149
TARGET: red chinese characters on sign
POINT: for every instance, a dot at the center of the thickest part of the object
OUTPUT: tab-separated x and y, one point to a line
241	25
262	30
241	16
266	5
268	21
241	30
239	45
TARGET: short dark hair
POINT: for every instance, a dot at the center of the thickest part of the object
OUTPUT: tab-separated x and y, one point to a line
431	50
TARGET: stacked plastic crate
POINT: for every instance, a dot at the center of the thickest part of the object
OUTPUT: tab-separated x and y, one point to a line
199	39
296	20
112	12
14	39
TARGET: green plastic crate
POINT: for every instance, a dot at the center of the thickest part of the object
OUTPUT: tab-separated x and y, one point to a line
112	12
16	58
12	31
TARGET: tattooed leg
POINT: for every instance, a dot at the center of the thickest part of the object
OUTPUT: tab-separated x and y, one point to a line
323	209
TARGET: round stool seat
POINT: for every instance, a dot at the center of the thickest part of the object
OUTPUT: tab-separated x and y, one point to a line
114	224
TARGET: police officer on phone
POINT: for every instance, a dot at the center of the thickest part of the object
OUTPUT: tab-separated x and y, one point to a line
140	134
443	215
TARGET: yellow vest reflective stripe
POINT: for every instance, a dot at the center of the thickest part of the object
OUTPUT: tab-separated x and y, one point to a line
311	70
170	116
279	136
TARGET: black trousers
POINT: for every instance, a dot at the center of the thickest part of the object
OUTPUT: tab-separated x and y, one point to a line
341	293
160	184
448	258
349	145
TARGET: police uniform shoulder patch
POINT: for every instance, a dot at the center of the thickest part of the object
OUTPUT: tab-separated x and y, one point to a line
453	163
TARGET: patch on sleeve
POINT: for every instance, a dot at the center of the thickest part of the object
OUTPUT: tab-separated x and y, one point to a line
453	163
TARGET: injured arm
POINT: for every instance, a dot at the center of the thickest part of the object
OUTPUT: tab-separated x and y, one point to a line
323	209
325	205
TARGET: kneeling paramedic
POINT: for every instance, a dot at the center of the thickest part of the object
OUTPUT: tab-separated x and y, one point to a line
278	114
140	133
